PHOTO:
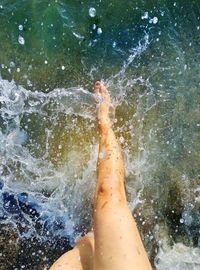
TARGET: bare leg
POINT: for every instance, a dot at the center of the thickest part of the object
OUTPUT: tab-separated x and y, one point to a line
79	258
117	241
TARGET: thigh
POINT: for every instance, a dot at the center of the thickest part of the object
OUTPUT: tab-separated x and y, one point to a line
68	261
117	240
79	258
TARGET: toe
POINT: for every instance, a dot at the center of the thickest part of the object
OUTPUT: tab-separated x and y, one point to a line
97	87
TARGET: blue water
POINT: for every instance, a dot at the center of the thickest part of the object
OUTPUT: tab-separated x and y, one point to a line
147	54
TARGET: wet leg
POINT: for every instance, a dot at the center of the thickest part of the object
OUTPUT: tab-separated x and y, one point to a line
117	241
79	258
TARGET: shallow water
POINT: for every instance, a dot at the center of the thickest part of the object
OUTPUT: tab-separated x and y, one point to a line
147	54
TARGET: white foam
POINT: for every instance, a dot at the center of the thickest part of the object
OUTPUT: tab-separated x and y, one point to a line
179	257
32	173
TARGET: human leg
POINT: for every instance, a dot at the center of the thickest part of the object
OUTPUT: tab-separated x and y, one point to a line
117	241
79	258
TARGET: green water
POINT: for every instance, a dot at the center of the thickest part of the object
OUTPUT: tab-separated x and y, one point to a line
147	53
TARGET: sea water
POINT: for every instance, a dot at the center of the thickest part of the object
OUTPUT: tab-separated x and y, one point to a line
51	53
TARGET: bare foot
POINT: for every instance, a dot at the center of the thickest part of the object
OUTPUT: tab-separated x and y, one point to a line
103	105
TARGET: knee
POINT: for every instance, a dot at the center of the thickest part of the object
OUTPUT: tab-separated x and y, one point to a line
88	240
110	190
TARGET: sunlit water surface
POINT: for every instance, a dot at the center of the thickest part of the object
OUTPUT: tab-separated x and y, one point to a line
148	55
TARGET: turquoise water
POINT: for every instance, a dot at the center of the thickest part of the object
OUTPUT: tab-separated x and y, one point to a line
147	54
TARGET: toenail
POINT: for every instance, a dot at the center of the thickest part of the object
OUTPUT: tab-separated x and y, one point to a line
97	83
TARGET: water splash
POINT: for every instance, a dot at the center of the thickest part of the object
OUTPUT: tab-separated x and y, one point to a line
153	82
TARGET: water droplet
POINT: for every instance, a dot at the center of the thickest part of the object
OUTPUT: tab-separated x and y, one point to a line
20	27
18	69
181	220
99	31
77	35
102	154
121	139
12	64
63	67
155	20
21	40
145	16
46	62
92	12
114	44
